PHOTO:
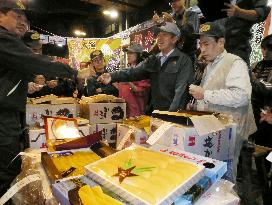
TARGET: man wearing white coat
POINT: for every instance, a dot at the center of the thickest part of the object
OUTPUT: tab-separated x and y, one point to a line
225	86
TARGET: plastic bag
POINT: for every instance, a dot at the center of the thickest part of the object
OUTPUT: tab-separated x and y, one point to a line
33	193
221	193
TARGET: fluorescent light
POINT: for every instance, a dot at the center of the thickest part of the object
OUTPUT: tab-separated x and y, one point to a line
79	33
106	12
111	13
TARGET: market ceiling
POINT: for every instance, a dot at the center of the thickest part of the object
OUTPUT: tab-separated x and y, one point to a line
62	17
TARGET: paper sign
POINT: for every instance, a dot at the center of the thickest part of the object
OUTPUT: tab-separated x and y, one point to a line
269	157
206	124
159	133
19	185
125	139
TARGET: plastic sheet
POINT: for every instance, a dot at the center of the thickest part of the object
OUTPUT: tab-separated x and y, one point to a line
221	193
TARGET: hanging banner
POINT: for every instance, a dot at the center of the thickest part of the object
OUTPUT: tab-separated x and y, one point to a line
80	49
144	38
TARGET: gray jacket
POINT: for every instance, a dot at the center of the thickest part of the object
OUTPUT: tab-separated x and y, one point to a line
169	82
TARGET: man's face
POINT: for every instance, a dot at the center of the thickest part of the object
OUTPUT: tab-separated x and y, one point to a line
210	48
177	5
9	21
39	79
22	25
166	41
267	53
37	48
131	57
98	63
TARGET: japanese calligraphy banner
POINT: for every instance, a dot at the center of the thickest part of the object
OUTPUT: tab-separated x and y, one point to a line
144	38
80	49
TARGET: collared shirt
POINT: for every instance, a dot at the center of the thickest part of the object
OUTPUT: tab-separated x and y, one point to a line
163	58
238	85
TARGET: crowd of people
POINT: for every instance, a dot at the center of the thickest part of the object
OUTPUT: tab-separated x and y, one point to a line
161	81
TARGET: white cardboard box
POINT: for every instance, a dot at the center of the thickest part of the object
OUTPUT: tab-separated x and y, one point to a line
37	138
218	145
35	112
103	112
108	132
139	136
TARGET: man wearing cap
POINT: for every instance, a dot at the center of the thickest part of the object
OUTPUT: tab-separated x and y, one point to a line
188	23
169	72
134	93
17	66
225	86
93	86
32	39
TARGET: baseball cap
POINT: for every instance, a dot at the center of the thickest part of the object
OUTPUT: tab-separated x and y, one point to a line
31	38
168	27
211	29
134	48
96	54
12	4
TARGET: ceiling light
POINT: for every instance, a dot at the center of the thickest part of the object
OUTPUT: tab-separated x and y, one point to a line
111	13
79	33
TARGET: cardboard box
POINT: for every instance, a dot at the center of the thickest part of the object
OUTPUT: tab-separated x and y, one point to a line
35	112
103	112
37	138
108	132
134	155
137	136
218	145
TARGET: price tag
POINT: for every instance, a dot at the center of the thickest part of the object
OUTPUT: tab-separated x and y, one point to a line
125	139
159	133
19	185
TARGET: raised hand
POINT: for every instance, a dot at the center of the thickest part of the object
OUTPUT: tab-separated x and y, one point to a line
104	78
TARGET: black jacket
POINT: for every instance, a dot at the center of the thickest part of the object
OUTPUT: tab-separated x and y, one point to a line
188	24
18	65
262	86
238	35
169	82
93	85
